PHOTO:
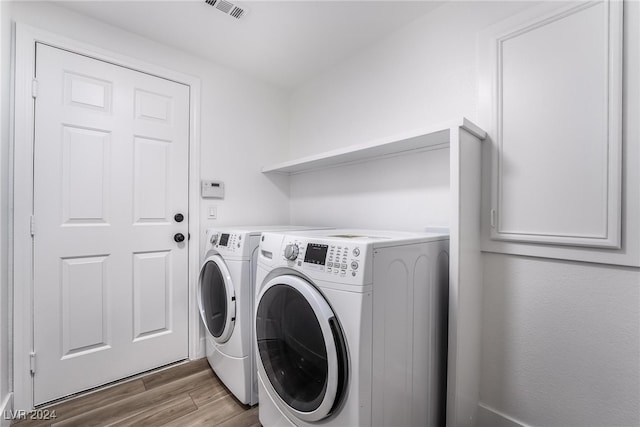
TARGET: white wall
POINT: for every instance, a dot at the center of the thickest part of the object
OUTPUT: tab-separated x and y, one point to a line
423	74
5	347
408	192
560	340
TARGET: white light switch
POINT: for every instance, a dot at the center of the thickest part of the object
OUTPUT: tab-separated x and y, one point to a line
213	212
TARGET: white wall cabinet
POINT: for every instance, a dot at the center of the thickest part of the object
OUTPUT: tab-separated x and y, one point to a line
557	115
562	178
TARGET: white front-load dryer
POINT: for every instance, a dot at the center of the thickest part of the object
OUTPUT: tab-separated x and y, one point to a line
226	295
351	328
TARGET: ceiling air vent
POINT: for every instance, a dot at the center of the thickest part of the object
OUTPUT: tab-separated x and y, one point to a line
228	8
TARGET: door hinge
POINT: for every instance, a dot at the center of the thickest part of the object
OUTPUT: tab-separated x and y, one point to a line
32	225
493	218
32	362
34	88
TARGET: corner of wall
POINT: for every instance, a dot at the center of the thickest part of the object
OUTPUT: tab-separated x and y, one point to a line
489	417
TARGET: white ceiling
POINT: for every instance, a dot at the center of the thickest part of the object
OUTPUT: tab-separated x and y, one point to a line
281	42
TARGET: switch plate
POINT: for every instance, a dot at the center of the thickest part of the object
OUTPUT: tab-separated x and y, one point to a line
212	212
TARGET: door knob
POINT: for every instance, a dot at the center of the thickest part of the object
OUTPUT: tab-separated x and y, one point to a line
178	237
178	217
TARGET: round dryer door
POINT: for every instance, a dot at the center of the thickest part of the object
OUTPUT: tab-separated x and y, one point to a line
217	299
301	348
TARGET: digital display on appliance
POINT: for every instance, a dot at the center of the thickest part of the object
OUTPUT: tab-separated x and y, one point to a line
316	253
224	239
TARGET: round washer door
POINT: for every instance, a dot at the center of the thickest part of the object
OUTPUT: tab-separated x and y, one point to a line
217	299
301	347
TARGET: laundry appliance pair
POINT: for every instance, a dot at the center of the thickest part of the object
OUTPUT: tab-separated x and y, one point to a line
351	328
226	296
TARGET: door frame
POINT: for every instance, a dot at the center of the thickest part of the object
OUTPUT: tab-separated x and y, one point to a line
21	184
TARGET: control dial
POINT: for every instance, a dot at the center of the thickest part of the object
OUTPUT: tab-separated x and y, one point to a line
291	252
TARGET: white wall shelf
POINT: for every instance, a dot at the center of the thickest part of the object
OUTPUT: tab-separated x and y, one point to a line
429	138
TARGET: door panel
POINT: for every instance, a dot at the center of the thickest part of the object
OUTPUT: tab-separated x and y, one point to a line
151	294
152	170
85	175
153	106
111	171
84	310
87	92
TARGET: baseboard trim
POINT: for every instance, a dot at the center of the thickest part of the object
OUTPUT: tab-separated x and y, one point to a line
7	411
489	417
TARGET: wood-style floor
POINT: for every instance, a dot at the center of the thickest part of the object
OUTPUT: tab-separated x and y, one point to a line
181	396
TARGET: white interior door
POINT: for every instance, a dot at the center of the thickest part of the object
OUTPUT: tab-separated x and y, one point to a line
111	172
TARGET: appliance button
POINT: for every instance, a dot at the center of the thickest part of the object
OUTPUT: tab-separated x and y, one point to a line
354	265
344	266
329	264
356	251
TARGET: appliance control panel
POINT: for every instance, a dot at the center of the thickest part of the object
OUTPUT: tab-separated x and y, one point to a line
226	242
331	258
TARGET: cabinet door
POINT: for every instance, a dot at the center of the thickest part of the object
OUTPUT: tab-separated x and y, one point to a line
557	91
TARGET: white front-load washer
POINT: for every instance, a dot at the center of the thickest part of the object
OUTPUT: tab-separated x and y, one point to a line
351	328
226	295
